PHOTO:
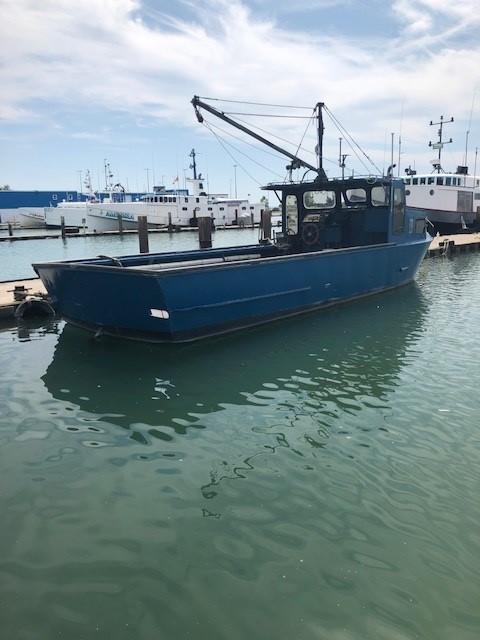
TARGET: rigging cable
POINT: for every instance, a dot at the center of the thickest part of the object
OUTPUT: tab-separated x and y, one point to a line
264	115
231	156
246	154
301	140
349	140
345	132
273	135
250	144
257	104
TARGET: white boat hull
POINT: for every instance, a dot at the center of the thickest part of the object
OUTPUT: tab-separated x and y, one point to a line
73	216
24	217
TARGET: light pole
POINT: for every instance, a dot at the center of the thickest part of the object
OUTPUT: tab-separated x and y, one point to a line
148	179
235	179
80	173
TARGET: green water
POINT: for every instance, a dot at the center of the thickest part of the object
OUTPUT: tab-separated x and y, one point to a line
312	479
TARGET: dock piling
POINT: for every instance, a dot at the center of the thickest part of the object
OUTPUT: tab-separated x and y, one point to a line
10	229
62	227
266	223
204	232
143	234
120	223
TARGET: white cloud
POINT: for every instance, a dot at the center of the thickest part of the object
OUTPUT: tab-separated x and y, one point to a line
102	53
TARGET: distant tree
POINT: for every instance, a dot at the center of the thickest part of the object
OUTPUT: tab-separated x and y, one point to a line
5	187
264	201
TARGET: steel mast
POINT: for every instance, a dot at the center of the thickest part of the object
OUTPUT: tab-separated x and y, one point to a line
439	144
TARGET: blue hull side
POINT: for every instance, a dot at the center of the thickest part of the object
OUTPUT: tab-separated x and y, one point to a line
213	299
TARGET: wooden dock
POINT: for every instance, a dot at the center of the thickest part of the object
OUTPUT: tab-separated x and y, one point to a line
82	233
8	303
456	243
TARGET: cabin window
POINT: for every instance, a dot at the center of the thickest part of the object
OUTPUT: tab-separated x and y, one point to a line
407	192
477	196
319	199
422	180
398	210
407	180
448	182
156	198
440	181
174	199
431	180
252	208
222	208
380	196
420	225
186	199
291	215
415	181
431	192
198	199
356	196
200	185
244	208
184	208
210	208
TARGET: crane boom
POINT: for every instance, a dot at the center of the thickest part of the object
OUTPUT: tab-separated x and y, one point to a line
296	161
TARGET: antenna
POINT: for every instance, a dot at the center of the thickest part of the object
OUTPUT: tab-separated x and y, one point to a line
341	158
467	133
440	143
320	129
194	164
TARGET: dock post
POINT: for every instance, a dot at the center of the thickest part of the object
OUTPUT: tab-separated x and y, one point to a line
204	232
170	225
62	226
120	223
266	222
143	234
10	229
252	220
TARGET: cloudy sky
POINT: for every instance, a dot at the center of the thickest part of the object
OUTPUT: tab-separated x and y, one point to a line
84	80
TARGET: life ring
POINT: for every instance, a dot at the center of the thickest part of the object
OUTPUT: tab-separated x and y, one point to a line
310	233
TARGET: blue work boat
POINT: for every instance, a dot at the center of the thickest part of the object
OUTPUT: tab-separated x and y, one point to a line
341	239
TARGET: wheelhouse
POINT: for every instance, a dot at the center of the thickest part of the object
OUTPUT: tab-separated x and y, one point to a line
335	214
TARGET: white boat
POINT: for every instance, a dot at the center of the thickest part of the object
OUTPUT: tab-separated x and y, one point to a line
178	208
75	214
24	217
450	201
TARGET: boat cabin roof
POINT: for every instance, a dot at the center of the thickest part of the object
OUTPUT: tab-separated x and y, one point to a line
336	184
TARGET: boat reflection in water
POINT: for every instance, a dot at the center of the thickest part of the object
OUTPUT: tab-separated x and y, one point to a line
340	358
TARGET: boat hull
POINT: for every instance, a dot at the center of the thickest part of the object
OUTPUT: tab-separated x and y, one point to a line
182	304
448	221
24	217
